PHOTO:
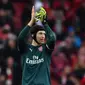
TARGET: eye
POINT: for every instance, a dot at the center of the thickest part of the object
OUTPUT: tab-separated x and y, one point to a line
40	33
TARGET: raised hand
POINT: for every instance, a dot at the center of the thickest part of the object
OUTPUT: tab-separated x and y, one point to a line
32	17
33	13
41	14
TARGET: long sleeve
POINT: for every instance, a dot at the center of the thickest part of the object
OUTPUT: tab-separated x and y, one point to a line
22	39
51	37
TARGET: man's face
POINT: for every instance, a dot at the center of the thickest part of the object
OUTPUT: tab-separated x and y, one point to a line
40	37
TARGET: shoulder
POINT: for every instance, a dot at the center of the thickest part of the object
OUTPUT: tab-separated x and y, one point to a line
47	49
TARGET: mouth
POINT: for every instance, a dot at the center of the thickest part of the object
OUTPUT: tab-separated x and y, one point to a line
43	40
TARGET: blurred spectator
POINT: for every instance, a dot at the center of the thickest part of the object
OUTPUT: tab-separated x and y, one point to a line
59	61
67	47
81	16
7	6
11	50
3	39
4	31
2	79
78	73
9	70
5	19
71	44
26	13
58	23
58	64
6	13
68	13
76	39
65	74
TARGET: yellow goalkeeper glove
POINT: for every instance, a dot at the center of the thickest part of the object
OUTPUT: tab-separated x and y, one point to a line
40	15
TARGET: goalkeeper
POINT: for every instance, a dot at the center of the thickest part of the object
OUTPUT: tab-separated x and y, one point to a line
36	57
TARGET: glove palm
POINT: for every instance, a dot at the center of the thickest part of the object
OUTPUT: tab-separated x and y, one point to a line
40	15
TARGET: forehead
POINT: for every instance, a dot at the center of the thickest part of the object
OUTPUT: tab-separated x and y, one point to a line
42	31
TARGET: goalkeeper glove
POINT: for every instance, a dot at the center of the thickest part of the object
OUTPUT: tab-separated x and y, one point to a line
40	15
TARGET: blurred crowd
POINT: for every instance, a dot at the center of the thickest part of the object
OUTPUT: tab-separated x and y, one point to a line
67	20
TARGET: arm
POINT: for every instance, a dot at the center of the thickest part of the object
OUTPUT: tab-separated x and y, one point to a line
23	34
22	39
51	37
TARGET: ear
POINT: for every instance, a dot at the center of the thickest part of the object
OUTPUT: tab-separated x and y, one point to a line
32	35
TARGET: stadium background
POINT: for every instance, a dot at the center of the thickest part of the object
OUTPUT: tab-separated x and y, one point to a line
67	20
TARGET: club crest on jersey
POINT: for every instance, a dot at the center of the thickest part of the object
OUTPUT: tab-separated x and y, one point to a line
40	48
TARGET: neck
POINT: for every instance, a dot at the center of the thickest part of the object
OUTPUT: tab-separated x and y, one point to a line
34	43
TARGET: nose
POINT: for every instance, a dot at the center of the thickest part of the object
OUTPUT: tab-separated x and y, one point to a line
43	35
